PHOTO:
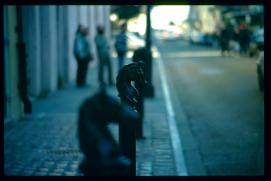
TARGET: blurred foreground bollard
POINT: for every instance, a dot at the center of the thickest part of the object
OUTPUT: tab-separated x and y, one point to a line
102	156
129	81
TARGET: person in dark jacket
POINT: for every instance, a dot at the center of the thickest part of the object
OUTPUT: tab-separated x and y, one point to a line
226	35
103	51
223	41
121	45
81	51
244	38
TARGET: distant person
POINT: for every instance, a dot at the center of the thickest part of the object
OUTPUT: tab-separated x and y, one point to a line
224	40
244	38
233	44
82	54
121	45
103	51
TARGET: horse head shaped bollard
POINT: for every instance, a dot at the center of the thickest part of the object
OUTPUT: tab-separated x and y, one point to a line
128	92
132	94
102	155
130	82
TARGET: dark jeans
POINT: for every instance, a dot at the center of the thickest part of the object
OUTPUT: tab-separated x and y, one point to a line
224	45
121	57
81	72
244	46
105	62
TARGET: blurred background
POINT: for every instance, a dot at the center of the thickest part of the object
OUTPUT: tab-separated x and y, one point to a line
220	89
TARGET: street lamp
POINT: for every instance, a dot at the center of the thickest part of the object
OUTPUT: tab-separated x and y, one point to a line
113	17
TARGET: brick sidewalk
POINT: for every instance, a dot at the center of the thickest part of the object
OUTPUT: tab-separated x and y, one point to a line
45	143
155	154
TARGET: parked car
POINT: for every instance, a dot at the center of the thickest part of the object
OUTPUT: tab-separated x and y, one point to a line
260	70
137	34
197	37
169	33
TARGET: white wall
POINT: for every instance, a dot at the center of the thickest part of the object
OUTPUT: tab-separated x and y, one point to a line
62	43
99	14
83	12
92	28
48	48
107	21
50	32
54	48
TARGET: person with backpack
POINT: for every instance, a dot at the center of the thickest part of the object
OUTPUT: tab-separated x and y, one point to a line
121	45
82	53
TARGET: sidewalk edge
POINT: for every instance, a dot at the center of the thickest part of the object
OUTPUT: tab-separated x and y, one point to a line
175	138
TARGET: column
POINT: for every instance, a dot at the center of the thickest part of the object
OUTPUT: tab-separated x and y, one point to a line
72	24
48	48
13	103
99	14
83	11
93	25
107	21
31	27
62	46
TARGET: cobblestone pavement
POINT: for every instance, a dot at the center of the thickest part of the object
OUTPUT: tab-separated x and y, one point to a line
42	146
46	143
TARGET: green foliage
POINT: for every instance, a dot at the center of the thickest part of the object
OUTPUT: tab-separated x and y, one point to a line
127	12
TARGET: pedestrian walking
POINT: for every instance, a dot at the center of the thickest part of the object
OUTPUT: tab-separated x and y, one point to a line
244	38
103	51
121	45
223	41
233	39
226	36
82	54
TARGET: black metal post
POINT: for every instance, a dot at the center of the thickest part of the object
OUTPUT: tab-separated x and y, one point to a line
22	86
127	142
149	89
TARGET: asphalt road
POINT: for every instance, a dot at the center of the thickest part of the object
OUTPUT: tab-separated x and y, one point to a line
219	109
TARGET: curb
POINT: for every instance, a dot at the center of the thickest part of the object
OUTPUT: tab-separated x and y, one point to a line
175	138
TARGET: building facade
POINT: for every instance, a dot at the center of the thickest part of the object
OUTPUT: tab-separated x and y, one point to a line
204	18
47	33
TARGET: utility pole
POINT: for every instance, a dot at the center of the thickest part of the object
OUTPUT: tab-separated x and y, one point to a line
149	90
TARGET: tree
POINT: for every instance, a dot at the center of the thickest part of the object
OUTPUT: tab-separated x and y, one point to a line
126	12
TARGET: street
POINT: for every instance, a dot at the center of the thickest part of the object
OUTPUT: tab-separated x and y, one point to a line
222	126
